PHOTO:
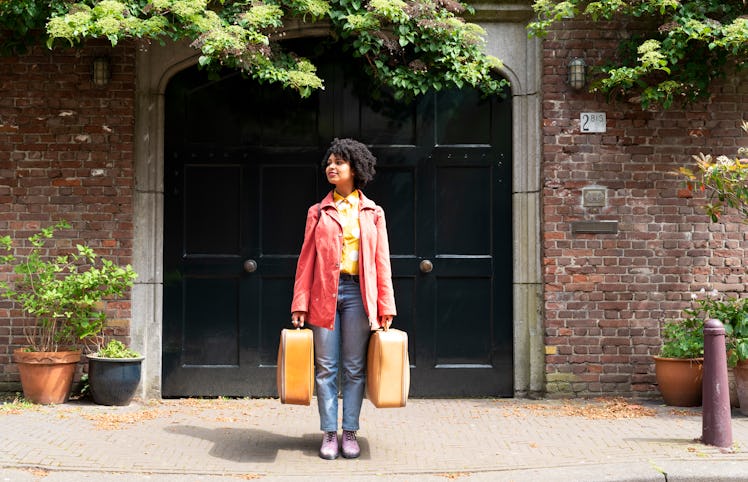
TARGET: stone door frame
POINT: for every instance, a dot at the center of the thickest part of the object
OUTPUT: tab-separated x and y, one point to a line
507	39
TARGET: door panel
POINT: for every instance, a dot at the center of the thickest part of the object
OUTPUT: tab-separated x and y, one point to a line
463	330
242	168
200	221
210	328
461	194
277	183
464	118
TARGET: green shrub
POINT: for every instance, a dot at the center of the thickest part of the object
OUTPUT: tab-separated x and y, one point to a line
63	293
116	349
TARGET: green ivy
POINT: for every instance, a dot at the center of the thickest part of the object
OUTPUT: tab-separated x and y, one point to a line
409	46
681	47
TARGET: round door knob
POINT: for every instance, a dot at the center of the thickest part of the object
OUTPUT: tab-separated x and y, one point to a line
250	266
426	266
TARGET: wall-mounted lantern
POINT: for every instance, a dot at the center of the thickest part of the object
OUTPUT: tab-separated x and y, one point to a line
576	73
100	72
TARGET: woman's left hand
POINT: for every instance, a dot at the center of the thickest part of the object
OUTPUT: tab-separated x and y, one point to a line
385	321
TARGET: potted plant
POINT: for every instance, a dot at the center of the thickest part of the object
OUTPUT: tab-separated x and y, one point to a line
114	373
63	294
725	181
678	368
732	312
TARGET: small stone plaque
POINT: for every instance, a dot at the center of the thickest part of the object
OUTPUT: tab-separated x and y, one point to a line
592	122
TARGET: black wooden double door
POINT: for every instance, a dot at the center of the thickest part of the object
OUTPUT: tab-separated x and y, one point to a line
242	167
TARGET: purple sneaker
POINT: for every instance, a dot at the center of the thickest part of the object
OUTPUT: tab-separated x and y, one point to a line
329	448
351	450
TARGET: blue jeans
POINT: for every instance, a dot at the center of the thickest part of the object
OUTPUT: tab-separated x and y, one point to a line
345	347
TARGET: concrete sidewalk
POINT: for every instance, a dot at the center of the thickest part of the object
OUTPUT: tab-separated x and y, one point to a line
429	440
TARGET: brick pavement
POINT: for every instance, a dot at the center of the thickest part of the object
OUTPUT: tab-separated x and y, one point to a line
474	439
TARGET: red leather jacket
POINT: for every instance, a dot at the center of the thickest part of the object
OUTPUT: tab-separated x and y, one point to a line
318	269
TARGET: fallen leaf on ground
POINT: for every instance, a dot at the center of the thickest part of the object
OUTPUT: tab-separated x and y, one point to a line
684	412
454	475
37	471
600	408
114	421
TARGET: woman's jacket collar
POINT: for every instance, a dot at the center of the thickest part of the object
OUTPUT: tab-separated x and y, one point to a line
364	202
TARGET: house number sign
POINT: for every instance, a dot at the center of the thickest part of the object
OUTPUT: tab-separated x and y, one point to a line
592	122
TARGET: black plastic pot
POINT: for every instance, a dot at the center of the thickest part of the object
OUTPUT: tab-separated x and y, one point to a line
113	381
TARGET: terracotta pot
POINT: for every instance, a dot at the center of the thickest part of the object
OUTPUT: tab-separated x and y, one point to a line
46	377
679	380
734	401
741	382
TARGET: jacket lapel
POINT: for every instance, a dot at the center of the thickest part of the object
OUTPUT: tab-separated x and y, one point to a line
328	205
366	219
365	202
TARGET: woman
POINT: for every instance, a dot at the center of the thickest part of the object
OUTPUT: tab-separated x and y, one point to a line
343	289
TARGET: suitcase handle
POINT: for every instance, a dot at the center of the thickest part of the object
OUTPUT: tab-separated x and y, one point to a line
301	324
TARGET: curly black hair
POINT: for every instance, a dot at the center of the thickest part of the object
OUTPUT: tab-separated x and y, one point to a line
358	155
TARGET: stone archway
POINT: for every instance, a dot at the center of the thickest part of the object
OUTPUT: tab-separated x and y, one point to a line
507	39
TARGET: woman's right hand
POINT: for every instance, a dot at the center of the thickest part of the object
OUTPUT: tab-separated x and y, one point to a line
298	318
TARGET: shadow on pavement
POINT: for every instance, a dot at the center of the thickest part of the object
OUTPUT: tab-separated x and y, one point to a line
250	445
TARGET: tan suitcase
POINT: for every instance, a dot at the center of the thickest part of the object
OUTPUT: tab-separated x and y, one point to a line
295	372
388	369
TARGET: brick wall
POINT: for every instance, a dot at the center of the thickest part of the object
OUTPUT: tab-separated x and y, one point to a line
607	294
66	152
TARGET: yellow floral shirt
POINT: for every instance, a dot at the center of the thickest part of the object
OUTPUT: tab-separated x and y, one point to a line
348	212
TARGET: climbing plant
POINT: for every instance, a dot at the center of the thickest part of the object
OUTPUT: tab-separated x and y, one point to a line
671	51
411	46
